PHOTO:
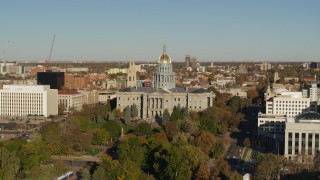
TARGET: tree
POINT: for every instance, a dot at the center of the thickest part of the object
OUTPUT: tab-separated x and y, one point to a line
176	114
132	150
194	115
60	166
131	170
212	89
51	135
171	129
206	142
234	104
185	112
113	128
268	166
165	116
9	164
117	113
85	174
203	173
107	169
143	129
35	137
111	116
61	109
100	136
127	112
190	126
134	110
251	94
209	125
246	142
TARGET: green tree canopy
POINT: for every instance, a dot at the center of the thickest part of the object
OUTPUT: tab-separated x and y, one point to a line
134	110
113	128
143	129
176	114
100	136
127	112
165	116
9	164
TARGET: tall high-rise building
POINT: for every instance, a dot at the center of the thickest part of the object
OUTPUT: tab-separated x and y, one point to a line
164	76
54	79
194	62
187	60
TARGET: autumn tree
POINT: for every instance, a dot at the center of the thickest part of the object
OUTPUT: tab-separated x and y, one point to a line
85	174
203	173
9	164
100	136
251	94
171	129
205	141
268	166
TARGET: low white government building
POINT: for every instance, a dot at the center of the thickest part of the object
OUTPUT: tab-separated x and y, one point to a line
70	100
24	100
302	136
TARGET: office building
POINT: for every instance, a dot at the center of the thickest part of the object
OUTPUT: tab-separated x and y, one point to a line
54	79
187	60
23	100
70	100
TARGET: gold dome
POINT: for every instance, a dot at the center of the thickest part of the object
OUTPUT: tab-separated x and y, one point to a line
164	58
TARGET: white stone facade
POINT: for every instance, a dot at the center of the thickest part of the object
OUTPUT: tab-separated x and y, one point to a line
71	101
302	136
20	100
151	104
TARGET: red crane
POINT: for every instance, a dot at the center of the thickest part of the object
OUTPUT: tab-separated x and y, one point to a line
49	58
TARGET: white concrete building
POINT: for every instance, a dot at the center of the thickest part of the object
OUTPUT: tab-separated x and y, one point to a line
302	136
90	97
288	103
70	100
22	100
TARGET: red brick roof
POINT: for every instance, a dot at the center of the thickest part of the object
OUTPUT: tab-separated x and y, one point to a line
68	92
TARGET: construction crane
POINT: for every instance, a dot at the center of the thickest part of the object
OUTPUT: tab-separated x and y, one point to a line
49	58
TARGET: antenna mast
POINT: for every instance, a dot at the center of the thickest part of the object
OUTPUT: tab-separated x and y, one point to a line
49	58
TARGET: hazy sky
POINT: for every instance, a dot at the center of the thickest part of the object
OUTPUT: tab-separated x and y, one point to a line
224	30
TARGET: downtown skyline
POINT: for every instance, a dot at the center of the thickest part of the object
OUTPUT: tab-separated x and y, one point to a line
137	30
